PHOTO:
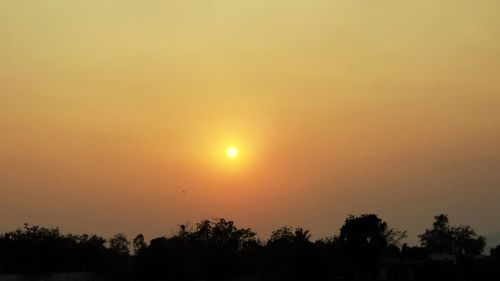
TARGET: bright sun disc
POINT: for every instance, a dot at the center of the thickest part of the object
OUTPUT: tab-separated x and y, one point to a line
232	152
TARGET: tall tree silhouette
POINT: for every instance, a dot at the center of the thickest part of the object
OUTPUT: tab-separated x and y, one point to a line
119	244
138	243
362	239
459	240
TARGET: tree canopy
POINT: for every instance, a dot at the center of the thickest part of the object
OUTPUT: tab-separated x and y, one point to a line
443	238
219	249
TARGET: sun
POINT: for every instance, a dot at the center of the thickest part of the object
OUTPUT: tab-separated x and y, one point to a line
232	152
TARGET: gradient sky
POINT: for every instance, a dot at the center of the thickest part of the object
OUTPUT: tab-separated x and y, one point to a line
110	109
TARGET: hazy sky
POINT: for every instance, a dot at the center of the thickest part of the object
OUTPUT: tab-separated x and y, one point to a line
110	109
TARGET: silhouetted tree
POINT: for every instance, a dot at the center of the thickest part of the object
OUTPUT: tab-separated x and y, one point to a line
119	244
364	235
214	249
139	244
292	256
495	252
457	240
218	250
363	239
439	239
90	250
394	236
37	248
282	234
223	244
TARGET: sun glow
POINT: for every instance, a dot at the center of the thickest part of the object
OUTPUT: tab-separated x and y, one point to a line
232	152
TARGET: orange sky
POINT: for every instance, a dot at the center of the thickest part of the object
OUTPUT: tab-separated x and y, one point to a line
110	109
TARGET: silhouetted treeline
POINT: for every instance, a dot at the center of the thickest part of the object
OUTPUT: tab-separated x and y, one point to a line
365	248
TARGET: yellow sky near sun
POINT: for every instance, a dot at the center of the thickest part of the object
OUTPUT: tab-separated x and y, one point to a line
334	105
